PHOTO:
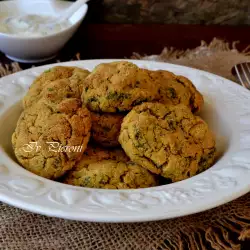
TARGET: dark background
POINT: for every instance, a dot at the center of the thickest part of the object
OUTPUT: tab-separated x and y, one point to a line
117	28
221	12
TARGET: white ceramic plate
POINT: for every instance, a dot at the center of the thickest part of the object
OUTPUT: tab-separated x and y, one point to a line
227	111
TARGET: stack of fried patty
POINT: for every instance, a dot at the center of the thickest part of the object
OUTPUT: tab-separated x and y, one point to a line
135	127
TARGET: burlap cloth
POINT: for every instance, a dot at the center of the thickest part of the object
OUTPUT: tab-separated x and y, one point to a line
225	227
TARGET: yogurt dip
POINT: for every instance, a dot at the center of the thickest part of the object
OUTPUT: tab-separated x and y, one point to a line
31	25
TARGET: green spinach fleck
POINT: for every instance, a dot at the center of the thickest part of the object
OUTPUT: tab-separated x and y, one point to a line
86	181
203	164
172	93
117	96
92	99
140	101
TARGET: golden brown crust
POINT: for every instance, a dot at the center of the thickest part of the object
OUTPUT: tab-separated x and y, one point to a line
60	131
110	174
102	168
73	75
167	140
174	89
106	128
117	87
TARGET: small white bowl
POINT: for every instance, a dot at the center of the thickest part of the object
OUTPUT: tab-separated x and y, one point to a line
37	49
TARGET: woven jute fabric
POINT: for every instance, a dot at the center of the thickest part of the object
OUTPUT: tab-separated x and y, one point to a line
224	227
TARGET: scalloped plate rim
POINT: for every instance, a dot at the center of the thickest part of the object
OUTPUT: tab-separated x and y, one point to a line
107	216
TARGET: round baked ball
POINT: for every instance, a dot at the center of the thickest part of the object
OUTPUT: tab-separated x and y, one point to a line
50	139
110	174
117	87
167	140
57	91
106	128
175	90
74	75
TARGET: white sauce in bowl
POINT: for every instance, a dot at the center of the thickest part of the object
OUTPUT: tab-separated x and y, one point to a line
31	25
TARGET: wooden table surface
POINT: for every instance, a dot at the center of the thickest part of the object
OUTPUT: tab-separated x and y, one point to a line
94	41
